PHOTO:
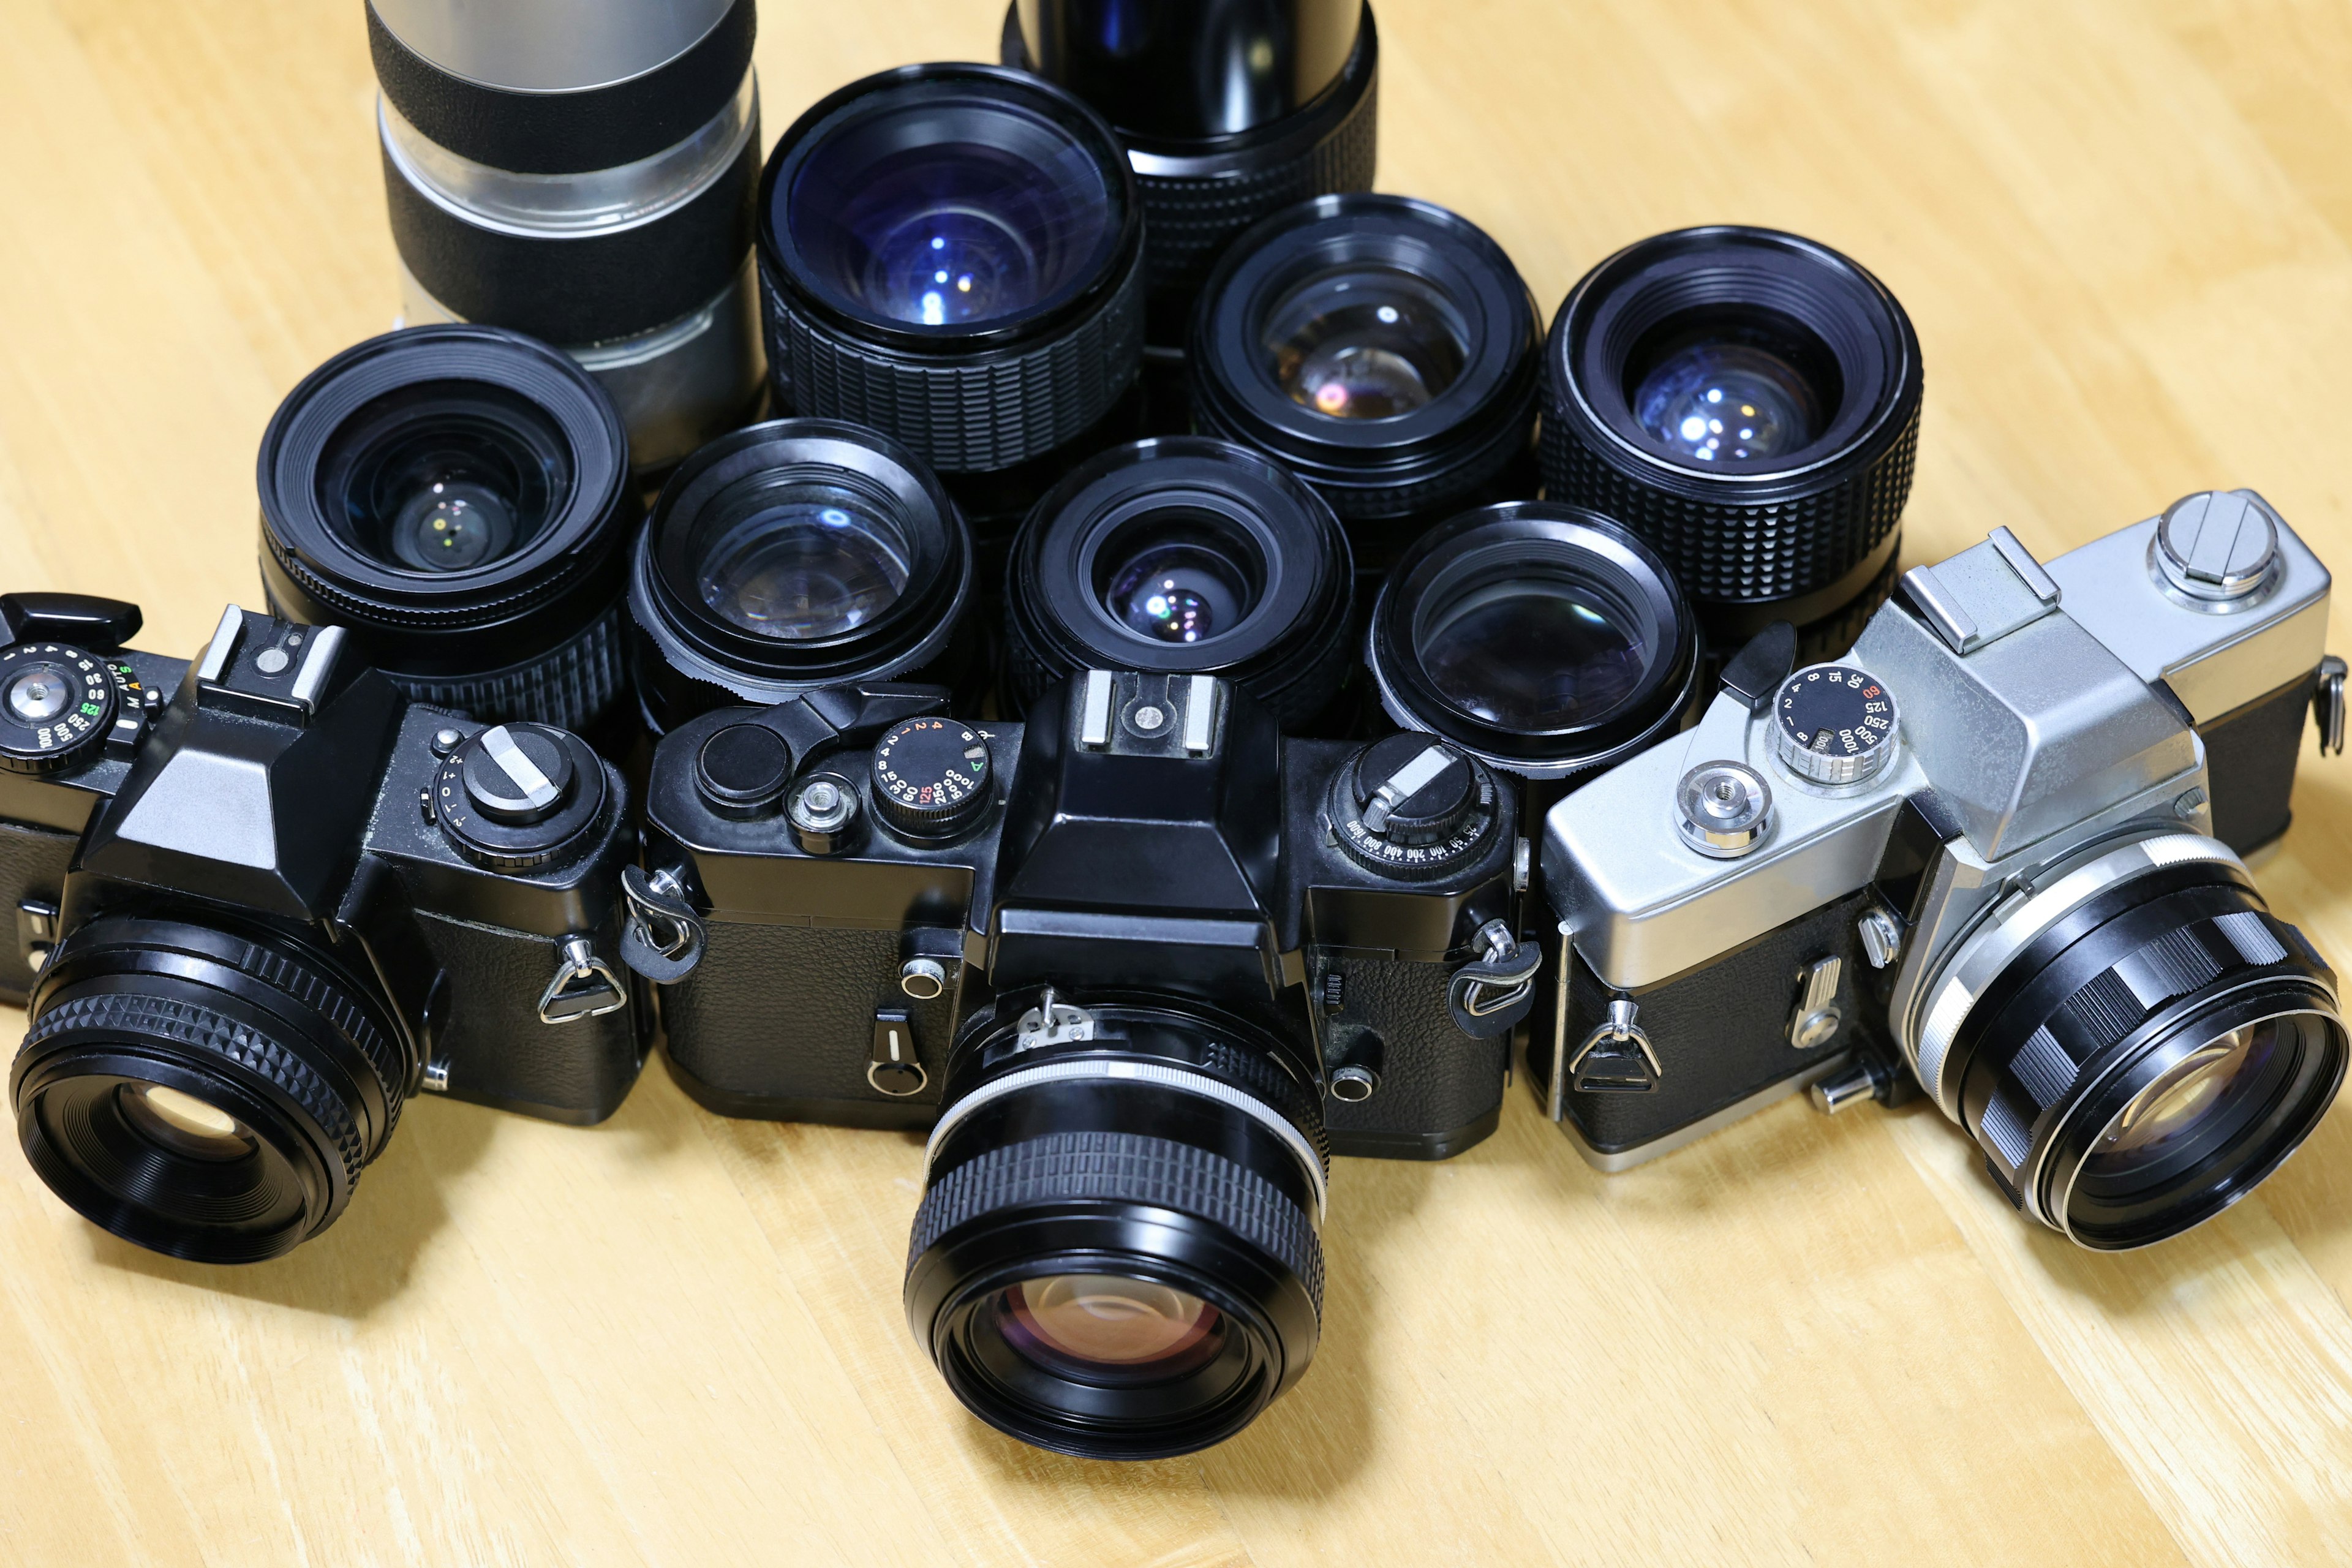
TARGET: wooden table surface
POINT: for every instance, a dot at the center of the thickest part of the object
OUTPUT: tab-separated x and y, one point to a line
2122	226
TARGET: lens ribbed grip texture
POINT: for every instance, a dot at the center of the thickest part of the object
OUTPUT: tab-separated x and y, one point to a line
972	415
1125	1167
1727	553
1188	221
129	1015
570	687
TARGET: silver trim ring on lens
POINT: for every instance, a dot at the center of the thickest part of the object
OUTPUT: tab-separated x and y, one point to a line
1980	957
571	207
1149	1073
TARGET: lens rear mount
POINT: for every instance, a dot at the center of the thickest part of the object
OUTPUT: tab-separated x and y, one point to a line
1544	640
1182	556
2150	1045
203	1094
1116	1253
1748	401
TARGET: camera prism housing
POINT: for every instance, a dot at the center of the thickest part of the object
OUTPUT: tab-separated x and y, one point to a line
261	901
1994	854
1092	848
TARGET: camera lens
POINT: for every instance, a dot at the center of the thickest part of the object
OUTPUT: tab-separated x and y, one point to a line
952	256
1228	114
1748	401
2135	1045
798	553
1183	555
1544	639
1383	349
585	173
458	498
1116	1254
203	1091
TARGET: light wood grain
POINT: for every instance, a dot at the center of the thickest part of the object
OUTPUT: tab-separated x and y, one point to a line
2122	226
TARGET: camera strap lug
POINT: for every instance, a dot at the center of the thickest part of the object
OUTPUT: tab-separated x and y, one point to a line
584	985
2327	706
661	936
1489	997
1616	1057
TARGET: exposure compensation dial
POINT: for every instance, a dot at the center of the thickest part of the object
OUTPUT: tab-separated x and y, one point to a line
1834	724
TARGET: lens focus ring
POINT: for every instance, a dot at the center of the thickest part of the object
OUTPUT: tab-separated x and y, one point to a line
1127	1168
570	687
977	415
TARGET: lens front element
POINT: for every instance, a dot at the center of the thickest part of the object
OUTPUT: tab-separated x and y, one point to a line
1368	342
805	564
1108	1326
1715	401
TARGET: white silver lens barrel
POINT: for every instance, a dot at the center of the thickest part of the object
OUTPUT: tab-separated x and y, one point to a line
586	174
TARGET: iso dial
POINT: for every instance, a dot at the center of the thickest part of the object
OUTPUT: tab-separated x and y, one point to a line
1834	725
932	777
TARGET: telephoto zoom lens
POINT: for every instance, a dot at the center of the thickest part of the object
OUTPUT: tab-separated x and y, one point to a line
458	498
204	1087
796	554
1229	112
953	255
1118	1254
1748	401
1184	556
1543	639
585	171
1383	350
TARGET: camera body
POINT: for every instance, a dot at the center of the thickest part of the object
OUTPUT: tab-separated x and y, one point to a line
280	790
1832	874
841	882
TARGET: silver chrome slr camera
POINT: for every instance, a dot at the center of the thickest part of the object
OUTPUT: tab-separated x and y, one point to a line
2001	845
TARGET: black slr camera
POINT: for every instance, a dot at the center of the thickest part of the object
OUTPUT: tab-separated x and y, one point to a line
255	914
1140	964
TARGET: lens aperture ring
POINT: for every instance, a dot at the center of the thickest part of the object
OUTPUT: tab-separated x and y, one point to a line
1741	554
963	416
1125	1167
115	1016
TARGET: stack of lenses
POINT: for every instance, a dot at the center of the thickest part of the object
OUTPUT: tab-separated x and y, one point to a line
583	172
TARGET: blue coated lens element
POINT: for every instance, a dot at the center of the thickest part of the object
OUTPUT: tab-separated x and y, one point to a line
929	207
1715	401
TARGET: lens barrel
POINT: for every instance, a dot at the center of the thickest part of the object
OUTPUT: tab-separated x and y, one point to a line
1385	350
2137	1044
1118	1253
584	173
1229	114
1748	401
1546	640
796	554
206	1091
953	255
458	498
1182	556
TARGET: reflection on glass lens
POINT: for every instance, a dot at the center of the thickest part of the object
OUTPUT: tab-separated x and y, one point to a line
183	1123
1364	343
949	264
1103	1323
1530	655
1715	401
2196	1094
802	568
1179	592
450	523
40	694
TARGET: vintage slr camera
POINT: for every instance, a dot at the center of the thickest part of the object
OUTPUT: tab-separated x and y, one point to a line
1139	965
255	915
1999	847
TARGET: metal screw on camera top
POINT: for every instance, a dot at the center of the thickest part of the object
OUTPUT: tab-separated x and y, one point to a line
446	740
821	805
1723	809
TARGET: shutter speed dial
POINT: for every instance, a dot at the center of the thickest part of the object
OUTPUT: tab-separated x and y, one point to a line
1413	805
1834	725
933	778
57	702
